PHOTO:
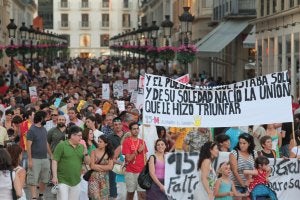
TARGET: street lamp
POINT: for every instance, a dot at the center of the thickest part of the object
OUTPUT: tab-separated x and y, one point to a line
31	33
139	34
167	32
186	20
153	32
23	36
11	27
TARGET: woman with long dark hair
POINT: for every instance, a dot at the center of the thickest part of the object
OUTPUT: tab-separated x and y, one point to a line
242	158
207	174
88	137
101	163
8	177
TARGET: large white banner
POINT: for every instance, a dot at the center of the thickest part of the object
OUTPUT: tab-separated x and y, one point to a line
260	100
181	176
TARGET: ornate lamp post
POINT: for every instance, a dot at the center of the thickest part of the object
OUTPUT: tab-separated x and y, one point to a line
139	33
23	36
186	20
11	27
167	26
153	33
31	33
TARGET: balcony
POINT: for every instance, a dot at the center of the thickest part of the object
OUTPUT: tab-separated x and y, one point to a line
104	5
127	6
104	24
85	5
85	25
64	25
63	5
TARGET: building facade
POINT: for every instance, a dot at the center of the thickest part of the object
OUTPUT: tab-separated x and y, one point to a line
45	11
221	52
277	38
90	23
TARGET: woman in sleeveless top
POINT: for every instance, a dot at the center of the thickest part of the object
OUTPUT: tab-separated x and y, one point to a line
7	181
15	152
242	158
276	137
207	174
157	172
98	186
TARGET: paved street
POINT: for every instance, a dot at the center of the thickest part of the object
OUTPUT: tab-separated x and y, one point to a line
48	195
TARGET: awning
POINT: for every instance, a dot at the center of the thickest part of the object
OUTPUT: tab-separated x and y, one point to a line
249	42
220	37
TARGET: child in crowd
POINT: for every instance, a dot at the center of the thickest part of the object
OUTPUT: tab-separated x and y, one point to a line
224	187
266	144
261	172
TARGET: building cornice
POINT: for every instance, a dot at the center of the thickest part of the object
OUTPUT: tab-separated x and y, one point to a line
291	11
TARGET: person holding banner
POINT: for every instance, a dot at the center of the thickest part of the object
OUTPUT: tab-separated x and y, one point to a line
242	158
157	172
207	174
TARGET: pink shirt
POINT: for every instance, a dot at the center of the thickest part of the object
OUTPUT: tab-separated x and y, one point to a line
160	169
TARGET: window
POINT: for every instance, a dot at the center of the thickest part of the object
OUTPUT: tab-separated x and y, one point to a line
105	20
64	20
104	40
282	4
292	3
126	20
85	40
84	20
105	3
64	3
84	3
268	7
262	8
125	3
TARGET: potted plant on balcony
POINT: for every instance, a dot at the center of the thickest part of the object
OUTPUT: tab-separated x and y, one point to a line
186	54
166	53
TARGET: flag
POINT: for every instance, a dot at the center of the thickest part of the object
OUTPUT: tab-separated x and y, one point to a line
20	67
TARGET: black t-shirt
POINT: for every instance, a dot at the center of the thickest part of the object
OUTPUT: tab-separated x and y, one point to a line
272	154
115	140
287	127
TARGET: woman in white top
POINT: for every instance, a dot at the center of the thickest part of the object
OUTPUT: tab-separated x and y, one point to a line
15	152
6	182
207	175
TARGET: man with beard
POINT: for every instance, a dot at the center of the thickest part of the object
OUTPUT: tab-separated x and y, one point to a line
58	133
37	149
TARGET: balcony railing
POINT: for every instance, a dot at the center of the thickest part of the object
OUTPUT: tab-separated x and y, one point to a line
85	25
64	24
85	5
63	5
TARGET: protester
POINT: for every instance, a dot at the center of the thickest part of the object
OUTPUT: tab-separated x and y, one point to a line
38	162
58	133
286	133
69	154
242	157
223	141
224	187
15	152
258	133
207	174
194	140
54	120
266	144
3	137
88	137
157	172
92	124
8	177
101	163
261	172
162	134
276	137
135	151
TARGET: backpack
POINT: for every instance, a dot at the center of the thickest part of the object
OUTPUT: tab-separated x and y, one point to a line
262	191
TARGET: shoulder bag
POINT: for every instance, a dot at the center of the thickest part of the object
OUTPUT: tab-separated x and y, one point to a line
14	194
144	179
88	174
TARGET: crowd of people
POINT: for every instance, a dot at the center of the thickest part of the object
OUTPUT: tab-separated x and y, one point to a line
47	143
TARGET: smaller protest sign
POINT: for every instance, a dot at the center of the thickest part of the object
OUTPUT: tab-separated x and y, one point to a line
33	94
105	91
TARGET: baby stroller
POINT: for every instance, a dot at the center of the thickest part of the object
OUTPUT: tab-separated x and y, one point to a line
263	192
